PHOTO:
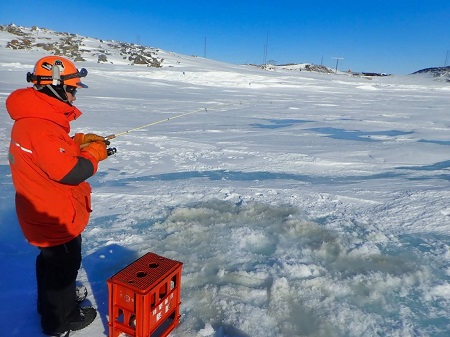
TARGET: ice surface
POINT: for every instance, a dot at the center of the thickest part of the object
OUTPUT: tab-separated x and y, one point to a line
301	204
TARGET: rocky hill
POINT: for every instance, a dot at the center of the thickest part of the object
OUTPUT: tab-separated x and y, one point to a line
79	48
438	72
301	67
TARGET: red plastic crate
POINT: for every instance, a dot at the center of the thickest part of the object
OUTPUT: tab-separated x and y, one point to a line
144	298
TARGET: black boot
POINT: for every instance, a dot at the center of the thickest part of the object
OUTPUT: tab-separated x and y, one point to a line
80	296
87	316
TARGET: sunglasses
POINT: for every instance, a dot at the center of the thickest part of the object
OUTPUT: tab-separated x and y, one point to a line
71	90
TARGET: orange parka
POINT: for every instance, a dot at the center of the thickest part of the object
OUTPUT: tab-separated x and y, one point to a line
41	154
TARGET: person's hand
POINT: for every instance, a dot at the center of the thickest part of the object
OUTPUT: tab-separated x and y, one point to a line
81	138
96	149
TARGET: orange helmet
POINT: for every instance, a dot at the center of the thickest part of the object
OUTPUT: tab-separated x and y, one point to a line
56	70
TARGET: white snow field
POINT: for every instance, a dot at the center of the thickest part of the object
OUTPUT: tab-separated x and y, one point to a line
300	203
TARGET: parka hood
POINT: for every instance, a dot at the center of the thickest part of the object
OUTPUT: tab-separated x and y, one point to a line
30	103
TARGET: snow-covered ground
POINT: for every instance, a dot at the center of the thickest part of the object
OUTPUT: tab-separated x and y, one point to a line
301	204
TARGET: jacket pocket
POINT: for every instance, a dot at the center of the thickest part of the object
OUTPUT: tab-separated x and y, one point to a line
81	196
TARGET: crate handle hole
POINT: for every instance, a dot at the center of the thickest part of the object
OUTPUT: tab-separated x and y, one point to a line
141	274
153	265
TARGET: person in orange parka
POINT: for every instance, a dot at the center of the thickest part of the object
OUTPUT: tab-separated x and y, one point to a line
53	201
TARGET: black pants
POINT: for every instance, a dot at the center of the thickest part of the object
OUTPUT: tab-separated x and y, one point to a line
56	272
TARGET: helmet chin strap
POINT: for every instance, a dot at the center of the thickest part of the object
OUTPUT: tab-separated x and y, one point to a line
58	95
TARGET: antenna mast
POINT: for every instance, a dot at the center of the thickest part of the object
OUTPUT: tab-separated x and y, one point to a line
337	62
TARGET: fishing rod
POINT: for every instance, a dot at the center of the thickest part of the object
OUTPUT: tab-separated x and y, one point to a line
153	123
113	150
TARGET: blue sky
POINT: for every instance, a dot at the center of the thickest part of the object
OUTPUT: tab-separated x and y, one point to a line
397	37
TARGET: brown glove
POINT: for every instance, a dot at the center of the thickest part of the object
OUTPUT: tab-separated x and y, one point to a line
96	149
81	138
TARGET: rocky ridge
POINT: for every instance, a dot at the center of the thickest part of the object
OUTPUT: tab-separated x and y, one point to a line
78	48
